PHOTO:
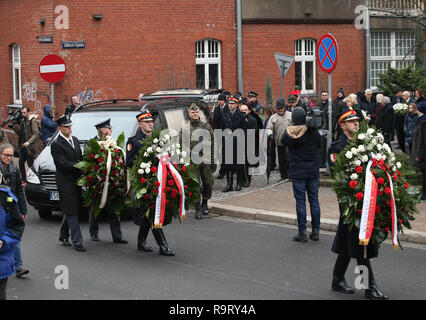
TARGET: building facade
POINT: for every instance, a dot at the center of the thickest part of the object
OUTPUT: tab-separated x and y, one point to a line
119	49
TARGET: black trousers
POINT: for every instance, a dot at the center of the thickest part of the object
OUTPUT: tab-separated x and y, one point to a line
114	224
3	286
71	222
24	157
283	161
342	263
424	182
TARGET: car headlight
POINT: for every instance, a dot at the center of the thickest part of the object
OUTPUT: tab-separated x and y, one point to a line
32	177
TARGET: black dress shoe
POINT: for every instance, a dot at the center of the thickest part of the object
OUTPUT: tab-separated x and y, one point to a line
66	242
205	207
238	187
198	213
228	188
165	251
143	246
373	293
340	285
95	238
122	240
220	176
314	236
80	248
301	237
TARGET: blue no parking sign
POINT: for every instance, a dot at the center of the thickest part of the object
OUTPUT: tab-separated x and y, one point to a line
327	53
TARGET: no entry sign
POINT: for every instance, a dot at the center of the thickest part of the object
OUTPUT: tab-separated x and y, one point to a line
327	53
52	68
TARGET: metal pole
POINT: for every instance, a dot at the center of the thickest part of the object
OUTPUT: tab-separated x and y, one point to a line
329	112
239	49
367	44
52	94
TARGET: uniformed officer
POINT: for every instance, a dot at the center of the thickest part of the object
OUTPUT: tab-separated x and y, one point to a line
252	100
66	153
204	170
346	241
104	129
146	124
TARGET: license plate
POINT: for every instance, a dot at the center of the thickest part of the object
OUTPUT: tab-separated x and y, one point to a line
54	196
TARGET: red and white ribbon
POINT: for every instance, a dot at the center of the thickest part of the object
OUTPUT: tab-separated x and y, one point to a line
160	202
368	207
393	213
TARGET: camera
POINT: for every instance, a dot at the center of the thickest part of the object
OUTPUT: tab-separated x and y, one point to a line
313	118
13	118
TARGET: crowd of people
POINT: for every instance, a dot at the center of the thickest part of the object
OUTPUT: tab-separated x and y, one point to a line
288	135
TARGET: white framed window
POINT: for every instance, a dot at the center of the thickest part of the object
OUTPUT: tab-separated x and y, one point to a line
16	70
208	64
305	65
388	48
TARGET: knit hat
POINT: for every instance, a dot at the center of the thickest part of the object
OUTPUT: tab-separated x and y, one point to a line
298	116
422	107
341	90
280	103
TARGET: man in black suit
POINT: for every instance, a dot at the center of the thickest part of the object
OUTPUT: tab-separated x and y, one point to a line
66	153
75	103
104	130
249	123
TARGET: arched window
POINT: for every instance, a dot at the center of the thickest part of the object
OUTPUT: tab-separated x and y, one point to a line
305	65
16	70
208	64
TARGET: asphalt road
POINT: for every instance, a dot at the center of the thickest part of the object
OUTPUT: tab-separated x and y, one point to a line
216	258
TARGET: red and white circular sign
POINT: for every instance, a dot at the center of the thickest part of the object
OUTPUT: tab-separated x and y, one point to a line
52	68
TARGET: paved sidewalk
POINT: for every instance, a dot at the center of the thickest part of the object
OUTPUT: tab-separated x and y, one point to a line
279	200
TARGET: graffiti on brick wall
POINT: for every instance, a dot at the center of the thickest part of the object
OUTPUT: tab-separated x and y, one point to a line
32	95
89	95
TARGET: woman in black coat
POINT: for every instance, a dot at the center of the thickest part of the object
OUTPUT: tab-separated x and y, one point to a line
385	120
418	152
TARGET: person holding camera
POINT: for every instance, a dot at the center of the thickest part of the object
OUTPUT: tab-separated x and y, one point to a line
303	142
28	141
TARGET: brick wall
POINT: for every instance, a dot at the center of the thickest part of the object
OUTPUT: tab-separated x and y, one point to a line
138	46
260	41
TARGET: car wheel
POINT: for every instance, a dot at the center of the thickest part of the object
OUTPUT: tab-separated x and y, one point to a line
45	213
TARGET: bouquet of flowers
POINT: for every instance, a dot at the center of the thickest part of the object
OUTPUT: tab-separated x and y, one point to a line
400	109
105	178
163	180
370	181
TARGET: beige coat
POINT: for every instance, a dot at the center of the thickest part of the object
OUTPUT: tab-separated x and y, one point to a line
277	125
32	134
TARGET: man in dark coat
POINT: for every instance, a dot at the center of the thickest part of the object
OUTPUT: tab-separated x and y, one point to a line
66	153
104	129
75	103
346	241
217	124
134	144
367	102
233	120
385	120
418	151
304	163
249	124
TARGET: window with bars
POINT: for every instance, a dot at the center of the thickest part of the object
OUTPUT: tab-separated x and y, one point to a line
305	65
16	71
390	49
208	64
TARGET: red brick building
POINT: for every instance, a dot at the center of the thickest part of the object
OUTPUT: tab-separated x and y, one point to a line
141	46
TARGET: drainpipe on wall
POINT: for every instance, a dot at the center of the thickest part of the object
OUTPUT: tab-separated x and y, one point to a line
367	44
239	49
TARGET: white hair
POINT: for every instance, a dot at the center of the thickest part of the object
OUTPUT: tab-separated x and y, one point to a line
368	91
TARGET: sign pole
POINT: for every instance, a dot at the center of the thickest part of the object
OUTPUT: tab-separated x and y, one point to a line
52	94
282	80
330	108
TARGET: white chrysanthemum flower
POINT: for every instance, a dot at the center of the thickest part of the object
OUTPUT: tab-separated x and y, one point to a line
348	155
361	148
143	165
149	150
398	165
384	157
379	147
145	154
158	150
394	169
181	161
183	154
361	136
155	140
178	152
140	171
357	163
370	131
161	143
354	176
166	137
177	145
354	151
364	158
147	170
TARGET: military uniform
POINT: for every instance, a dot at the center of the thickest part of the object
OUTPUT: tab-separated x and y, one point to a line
114	221
346	241
132	149
204	170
